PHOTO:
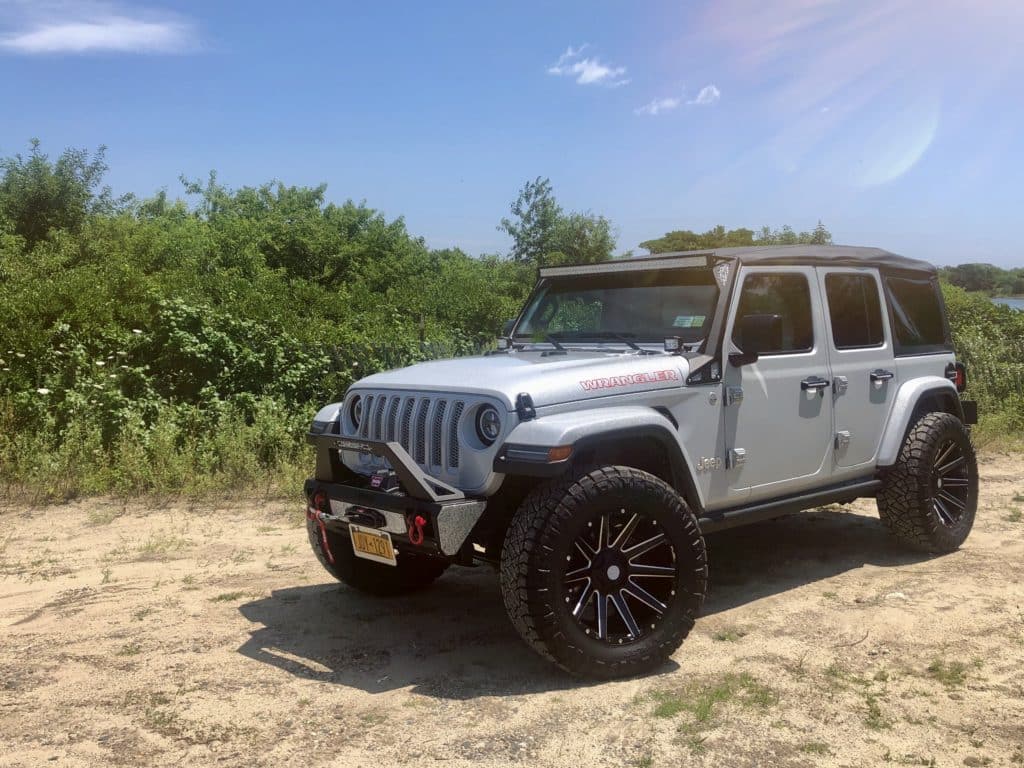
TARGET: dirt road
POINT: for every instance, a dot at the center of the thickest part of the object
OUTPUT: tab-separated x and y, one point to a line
174	636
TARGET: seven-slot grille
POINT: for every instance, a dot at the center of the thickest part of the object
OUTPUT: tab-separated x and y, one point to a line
427	427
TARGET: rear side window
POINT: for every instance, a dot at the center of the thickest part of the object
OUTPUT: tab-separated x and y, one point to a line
918	324
855	310
785	295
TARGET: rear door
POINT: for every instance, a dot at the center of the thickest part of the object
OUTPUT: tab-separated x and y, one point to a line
864	375
779	435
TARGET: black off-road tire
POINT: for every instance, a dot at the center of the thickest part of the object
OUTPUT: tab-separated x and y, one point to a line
413	572
542	537
915	500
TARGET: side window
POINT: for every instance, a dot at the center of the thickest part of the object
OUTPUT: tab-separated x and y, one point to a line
855	310
785	295
918	326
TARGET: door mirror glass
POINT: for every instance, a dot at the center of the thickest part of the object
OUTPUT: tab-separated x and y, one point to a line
755	335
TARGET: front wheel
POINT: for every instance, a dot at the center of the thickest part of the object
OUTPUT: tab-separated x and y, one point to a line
929	498
604	573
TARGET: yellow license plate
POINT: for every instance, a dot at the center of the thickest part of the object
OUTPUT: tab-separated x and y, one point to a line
372	544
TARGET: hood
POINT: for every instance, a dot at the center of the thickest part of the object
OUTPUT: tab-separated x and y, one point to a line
549	379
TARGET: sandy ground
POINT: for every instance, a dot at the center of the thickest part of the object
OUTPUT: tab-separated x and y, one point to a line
175	636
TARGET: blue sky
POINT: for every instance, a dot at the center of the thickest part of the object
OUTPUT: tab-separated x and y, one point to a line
896	122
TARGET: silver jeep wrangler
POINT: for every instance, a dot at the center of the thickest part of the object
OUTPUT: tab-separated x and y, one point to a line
633	407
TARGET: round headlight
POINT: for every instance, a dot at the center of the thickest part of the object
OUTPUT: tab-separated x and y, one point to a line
355	410
488	424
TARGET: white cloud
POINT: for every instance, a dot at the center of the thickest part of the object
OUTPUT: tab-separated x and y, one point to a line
587	71
88	28
657	106
709	94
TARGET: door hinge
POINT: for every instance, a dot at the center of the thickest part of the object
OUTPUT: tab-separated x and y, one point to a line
733	395
842	439
840	385
736	457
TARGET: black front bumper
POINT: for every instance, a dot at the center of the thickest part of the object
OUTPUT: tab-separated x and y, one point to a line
448	514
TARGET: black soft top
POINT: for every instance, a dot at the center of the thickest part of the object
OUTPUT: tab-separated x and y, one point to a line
819	255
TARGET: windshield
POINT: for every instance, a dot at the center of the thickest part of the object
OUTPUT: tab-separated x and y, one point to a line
638	306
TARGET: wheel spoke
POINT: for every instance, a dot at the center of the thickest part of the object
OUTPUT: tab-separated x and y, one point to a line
577	574
627	531
644	546
585	549
602	616
945	453
955	482
585	595
952	500
645	597
627	615
947	468
652	571
943	513
604	532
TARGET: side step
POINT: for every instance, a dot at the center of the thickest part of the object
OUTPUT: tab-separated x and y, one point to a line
720	520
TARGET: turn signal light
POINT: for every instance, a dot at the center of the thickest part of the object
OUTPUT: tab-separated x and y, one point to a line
559	453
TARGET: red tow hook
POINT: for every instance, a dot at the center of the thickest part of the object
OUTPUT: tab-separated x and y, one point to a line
415	524
314	512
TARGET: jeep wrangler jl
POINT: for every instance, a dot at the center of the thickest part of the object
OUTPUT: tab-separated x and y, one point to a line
633	407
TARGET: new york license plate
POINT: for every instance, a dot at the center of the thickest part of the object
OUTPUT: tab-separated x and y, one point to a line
372	544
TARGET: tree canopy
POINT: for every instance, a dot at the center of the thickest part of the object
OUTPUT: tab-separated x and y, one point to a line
720	237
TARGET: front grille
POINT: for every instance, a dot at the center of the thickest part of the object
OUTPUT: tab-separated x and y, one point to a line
426	427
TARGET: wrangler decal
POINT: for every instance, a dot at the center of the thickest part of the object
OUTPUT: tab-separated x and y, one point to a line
631	379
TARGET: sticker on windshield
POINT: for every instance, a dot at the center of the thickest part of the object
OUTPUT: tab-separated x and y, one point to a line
688	321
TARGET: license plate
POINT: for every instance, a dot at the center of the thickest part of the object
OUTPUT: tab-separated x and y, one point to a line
372	544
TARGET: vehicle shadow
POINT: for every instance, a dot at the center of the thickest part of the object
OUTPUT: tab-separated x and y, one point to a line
453	641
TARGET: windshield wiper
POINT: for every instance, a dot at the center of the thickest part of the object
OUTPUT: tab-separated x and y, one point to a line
623	337
550	339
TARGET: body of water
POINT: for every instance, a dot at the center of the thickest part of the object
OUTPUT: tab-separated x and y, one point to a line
1017	302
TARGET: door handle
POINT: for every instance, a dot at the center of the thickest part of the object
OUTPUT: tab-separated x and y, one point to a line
814	384
880	374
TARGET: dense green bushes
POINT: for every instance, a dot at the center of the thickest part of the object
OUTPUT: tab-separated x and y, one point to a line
989	339
168	346
159	345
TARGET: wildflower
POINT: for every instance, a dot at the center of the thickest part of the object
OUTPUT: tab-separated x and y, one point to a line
43	391
100	363
136	331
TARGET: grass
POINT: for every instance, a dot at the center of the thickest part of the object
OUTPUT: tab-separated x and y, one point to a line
875	719
104	515
951	674
729	635
160	545
227	597
701	700
815	748
1014	516
1018	497
130	649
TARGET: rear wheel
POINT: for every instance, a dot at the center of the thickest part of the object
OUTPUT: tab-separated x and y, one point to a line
412	572
929	498
604	573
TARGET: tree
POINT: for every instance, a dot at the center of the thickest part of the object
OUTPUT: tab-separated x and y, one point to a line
37	195
720	237
543	234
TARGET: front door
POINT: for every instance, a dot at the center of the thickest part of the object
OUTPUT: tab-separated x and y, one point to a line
778	410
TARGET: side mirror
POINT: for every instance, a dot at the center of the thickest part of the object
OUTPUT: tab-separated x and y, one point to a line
757	334
506	329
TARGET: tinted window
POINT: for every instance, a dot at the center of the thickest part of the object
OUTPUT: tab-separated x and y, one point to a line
916	315
855	310
787	296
